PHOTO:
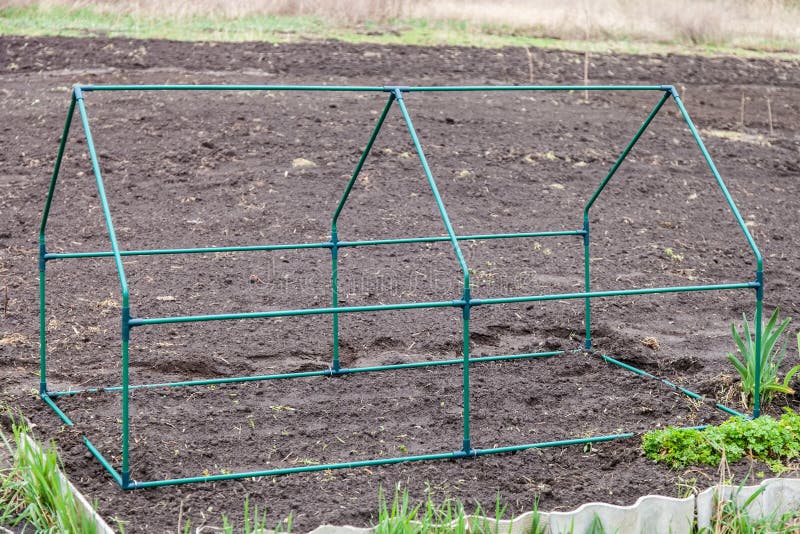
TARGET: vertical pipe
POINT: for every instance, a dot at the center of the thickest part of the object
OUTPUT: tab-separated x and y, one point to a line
43	249
125	471
335	234
335	298
587	284
42	331
465	388
758	319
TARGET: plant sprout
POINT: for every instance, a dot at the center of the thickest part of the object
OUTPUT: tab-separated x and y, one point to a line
771	357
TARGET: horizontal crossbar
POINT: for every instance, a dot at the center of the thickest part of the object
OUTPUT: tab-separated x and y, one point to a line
355	88
289	246
434	304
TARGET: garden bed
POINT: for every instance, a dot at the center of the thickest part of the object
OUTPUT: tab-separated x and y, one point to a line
194	170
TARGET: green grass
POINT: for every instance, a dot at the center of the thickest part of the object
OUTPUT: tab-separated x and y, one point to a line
31	492
88	22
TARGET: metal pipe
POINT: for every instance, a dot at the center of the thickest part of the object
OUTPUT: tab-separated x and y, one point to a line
289	313
335	234
626	151
42	326
460	88
466	445
434	189
370	88
383	461
586	258
122	279
669	384
213	87
757	378
291	470
361	161
433	304
202	250
100	458
57	167
720	182
587	287
43	248
290	246
475	237
59	412
306	374
616	293
548	444
103	200
750	241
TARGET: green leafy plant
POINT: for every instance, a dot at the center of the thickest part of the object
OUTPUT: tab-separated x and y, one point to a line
771	356
773	441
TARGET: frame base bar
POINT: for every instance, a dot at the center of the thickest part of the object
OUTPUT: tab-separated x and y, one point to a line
327	372
382	461
59	412
688	393
103	461
472	453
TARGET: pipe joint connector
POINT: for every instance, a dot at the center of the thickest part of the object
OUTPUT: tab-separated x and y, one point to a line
671	90
42	257
760	286
126	324
396	90
585	232
466	451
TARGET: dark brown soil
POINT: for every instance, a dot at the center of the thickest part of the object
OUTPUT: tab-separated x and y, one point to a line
203	169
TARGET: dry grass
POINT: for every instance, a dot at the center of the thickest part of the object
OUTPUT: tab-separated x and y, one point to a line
740	23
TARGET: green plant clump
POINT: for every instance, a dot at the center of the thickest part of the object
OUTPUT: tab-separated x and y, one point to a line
734	518
773	441
31	492
771	357
448	518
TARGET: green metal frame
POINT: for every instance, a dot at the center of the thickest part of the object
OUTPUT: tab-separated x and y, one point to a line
464	302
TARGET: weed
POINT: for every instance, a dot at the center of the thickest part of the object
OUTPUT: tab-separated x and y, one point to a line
687	487
450	517
730	517
771	357
254	522
674	256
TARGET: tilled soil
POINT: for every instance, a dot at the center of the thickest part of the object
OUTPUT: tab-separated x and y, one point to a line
197	169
